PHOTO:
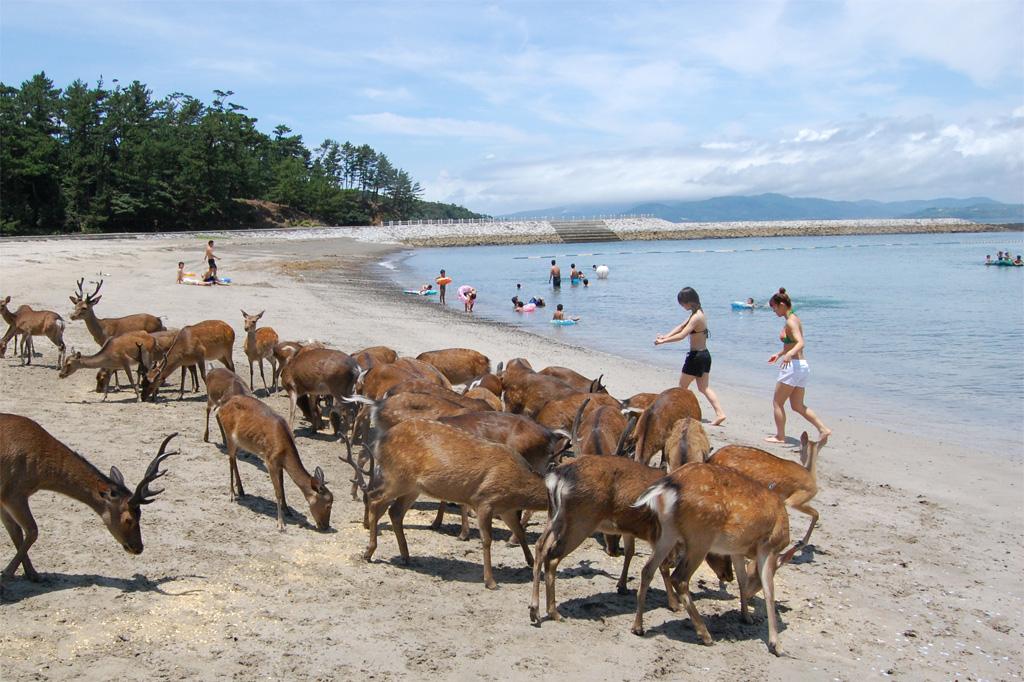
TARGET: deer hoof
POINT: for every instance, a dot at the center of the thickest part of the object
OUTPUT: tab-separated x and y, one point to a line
775	649
622	589
534	614
637	630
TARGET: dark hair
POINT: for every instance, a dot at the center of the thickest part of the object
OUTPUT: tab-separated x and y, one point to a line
442	271
210	242
181	262
572	265
560	307
472	296
552	261
586	281
688	295
781	298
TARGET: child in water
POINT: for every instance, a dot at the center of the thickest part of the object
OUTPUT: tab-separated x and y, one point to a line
560	314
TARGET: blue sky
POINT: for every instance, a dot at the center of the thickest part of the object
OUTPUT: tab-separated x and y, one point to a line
514	106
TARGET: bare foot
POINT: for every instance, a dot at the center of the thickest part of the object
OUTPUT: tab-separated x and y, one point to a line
719	421
773	439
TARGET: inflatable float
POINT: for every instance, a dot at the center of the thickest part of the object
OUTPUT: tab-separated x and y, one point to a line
528	308
1005	264
463	292
602	271
742	305
563	323
443	281
416	292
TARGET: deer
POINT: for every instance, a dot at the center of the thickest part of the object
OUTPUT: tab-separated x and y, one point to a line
709	508
12	330
575	379
368	358
639	402
118	352
796	484
591	494
559	413
27	323
459	365
479	393
104	328
163	340
420	457
316	372
193	345
252	426
259	346
221	385
686	442
488	382
529	392
657	420
31	460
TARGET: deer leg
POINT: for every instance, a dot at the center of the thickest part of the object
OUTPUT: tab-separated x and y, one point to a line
206	433
541	560
232	466
628	549
250	372
483	522
739	567
131	379
293	400
18	514
276	478
511	520
194	371
670	590
439	519
611	544
17	537
273	373
813	513
397	512
377	504
662	548
263	377
694	556
181	391
766	563
464	531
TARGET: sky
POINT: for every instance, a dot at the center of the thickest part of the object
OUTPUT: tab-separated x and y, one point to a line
503	107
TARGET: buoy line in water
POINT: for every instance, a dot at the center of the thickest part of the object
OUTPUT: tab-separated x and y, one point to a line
999	242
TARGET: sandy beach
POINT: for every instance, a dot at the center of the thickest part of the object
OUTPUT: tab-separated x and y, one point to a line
914	569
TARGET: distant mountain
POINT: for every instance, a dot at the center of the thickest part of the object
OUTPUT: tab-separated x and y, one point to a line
765	207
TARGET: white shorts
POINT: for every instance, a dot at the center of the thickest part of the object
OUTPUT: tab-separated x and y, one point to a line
796	374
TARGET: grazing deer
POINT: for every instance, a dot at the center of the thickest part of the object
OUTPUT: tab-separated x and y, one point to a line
252	426
711	508
317	372
221	385
686	442
368	358
164	339
420	457
639	402
119	352
259	345
27	323
458	365
575	379
193	345
657	420
528	392
559	413
32	460
795	484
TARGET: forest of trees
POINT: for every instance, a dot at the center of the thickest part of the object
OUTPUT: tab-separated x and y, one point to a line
112	159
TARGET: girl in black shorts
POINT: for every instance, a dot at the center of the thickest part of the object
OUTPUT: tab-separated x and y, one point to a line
697	366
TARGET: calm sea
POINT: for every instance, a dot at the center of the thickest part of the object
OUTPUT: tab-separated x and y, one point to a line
907	331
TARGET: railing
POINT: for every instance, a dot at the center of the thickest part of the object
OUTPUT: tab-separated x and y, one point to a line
534	219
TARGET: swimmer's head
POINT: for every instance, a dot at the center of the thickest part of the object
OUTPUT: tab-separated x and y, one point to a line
552	261
573	266
586	282
560	307
181	264
472	296
688	297
442	272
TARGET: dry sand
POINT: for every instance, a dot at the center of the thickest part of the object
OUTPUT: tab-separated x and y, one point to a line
914	571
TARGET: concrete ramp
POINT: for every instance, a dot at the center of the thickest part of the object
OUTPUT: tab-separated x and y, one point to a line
583	231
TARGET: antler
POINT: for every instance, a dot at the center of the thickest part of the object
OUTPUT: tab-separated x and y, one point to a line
576	427
143	494
620	449
93	294
80	293
361	476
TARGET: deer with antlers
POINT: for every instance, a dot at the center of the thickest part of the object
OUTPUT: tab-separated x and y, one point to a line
252	426
27	323
104	328
31	460
193	345
259	346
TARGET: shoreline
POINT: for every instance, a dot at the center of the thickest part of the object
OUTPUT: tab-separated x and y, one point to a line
884	589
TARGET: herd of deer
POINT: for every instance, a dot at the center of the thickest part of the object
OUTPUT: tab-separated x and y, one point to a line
510	442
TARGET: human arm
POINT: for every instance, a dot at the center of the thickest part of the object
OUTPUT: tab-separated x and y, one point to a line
677	334
794	332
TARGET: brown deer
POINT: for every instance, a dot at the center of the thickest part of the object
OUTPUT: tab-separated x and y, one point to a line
796	484
32	460
657	420
711	508
259	346
639	402
420	457
459	365
575	379
559	413
488	382
193	345
686	442
163	339
252	426
27	323
12	330
529	392
118	353
483	394
221	385
317	372
368	358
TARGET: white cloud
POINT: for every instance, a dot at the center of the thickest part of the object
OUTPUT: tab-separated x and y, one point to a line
387	122
399	94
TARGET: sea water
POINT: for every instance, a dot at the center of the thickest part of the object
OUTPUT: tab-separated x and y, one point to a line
907	331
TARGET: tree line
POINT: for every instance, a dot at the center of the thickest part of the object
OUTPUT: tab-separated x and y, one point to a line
111	159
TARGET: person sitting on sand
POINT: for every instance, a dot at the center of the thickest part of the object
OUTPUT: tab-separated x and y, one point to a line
560	314
181	271
210	276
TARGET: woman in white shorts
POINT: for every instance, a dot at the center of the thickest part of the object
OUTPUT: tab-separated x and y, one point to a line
793	372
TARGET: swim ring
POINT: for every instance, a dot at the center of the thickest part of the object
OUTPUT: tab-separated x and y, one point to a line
563	323
602	272
464	292
528	308
416	292
742	305
443	281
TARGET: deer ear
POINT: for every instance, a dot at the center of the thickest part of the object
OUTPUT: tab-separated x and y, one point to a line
261	314
97	299
115	476
72	298
804	438
244	314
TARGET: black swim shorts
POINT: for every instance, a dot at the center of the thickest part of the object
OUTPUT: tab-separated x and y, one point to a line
211	262
556	282
697	363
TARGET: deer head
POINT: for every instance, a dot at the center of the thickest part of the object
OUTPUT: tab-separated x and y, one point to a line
122	509
251	320
84	302
72	363
320	500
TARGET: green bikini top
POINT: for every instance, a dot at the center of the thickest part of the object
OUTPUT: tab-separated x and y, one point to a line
784	336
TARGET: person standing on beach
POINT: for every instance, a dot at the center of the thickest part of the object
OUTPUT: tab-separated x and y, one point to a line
555	276
697	366
793	372
211	260
441	287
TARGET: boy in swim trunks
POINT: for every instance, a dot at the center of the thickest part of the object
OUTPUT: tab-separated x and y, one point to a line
211	260
441	287
555	276
181	271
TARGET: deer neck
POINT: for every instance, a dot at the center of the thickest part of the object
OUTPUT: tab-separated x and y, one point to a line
92	323
812	462
78	479
533	495
7	315
250	340
296	471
